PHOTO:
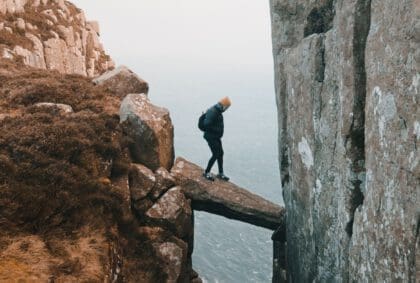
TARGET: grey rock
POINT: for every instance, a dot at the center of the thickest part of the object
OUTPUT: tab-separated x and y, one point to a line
173	212
141	182
347	142
122	81
385	242
164	181
173	257
151	130
225	198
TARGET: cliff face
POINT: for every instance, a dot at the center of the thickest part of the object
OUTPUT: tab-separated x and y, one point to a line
51	34
347	93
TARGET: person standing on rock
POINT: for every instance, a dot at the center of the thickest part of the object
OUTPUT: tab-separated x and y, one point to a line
213	132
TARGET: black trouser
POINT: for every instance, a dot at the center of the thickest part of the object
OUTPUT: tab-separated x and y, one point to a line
216	148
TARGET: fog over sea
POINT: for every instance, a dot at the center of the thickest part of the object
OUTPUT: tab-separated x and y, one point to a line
192	53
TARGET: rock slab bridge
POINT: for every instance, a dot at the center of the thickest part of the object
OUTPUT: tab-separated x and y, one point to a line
226	199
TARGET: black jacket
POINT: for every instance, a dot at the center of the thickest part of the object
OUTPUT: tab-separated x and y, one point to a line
213	123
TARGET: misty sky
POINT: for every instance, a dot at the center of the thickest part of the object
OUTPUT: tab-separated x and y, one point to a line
182	35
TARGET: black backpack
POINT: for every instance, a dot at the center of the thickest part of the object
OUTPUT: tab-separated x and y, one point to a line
201	122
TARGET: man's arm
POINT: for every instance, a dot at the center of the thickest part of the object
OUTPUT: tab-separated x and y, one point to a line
210	117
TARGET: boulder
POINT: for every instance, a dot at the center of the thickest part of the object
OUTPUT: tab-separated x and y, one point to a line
164	181
172	211
122	81
141	183
63	108
174	258
150	129
225	198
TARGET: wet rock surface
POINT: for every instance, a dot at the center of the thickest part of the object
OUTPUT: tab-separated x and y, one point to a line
347	90
225	198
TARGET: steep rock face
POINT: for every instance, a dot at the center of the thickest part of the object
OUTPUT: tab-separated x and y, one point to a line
348	136
389	220
51	34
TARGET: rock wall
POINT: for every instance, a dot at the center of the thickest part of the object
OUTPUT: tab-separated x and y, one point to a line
51	34
347	76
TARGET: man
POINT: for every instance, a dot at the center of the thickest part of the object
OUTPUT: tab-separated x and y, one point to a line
214	127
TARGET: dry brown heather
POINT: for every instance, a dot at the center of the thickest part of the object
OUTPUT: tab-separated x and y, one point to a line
58	217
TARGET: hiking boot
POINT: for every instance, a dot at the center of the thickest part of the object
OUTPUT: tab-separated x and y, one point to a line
223	177
208	176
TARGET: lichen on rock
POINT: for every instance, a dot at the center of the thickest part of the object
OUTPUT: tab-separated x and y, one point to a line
347	97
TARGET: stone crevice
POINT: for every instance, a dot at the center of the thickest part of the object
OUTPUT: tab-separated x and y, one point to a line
355	141
320	63
320	19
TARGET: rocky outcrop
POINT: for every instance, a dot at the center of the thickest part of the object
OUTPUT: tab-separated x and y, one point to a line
347	95
225	198
122	81
150	129
51	34
74	205
82	196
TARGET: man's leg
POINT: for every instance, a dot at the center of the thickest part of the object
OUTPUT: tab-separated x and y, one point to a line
210	163
219	149
220	154
213	147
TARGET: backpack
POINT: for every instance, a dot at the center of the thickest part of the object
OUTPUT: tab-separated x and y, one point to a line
201	122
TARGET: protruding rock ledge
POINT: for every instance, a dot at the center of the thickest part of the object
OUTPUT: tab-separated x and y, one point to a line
122	81
225	198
